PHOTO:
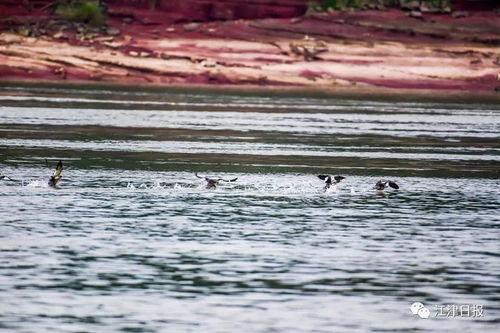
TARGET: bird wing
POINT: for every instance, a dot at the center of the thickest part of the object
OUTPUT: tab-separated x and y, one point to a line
326	178
338	178
227	180
58	171
393	184
196	174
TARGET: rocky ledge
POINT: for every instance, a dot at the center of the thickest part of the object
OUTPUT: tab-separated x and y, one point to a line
357	49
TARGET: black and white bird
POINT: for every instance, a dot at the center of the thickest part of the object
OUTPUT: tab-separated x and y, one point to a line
6	177
56	177
212	183
383	184
329	181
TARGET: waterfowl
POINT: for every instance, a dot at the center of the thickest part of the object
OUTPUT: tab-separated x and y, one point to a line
56	176
329	182
382	185
6	177
213	182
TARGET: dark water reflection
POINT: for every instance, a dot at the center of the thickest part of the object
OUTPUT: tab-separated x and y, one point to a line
132	242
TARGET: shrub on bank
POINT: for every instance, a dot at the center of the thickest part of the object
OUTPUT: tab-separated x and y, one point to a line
431	5
90	12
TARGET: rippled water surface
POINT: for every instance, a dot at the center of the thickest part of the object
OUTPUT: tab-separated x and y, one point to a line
133	242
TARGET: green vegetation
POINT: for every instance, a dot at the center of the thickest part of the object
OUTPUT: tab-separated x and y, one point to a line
326	5
333	4
90	12
438	4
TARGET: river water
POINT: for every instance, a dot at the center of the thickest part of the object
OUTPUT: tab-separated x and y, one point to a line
133	242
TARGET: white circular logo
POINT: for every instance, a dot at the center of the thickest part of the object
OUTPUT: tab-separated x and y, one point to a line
424	313
415	307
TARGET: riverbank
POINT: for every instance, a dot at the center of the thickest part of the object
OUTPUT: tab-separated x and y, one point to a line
352	52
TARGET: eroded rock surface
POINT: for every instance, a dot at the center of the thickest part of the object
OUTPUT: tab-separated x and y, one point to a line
354	49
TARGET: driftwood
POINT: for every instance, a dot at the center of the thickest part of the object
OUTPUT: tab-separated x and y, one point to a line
309	51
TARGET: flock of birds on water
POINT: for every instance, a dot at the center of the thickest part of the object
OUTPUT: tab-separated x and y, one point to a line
212	183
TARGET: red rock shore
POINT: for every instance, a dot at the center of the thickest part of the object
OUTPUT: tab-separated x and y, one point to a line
356	50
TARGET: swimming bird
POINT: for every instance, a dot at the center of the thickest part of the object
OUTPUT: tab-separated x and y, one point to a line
382	184
56	176
213	182
6	177
328	180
